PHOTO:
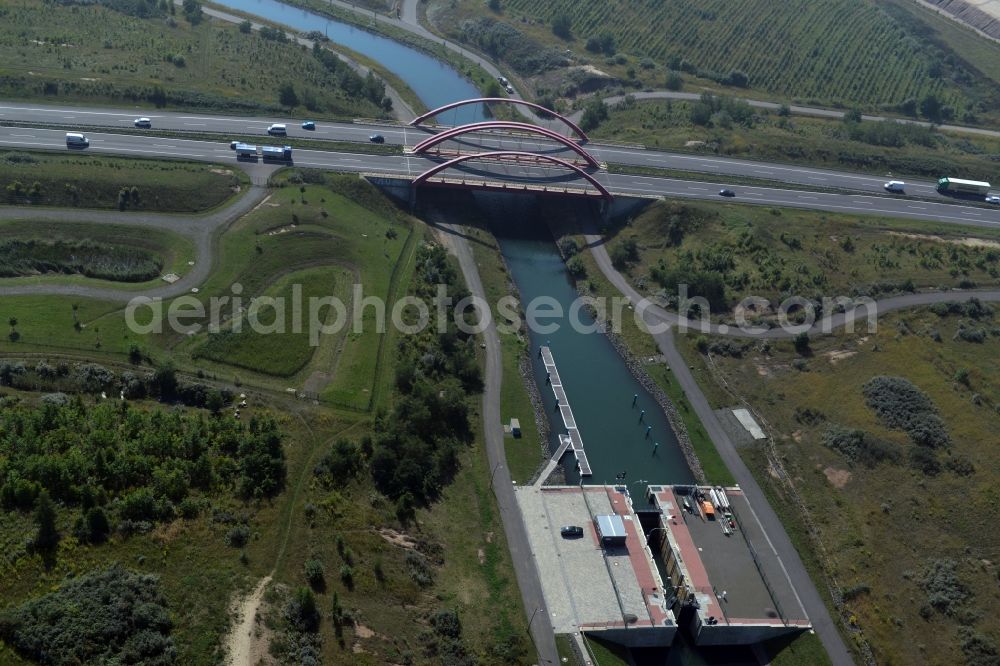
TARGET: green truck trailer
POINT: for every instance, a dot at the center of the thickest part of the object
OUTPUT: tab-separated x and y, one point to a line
959	186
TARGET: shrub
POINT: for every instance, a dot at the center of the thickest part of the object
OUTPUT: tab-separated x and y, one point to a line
569	247
301	611
562	26
859	446
801	343
576	268
945	592
113	616
419	569
238	536
902	406
314	573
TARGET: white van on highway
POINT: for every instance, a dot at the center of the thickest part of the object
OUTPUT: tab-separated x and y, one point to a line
76	140
277	130
895	186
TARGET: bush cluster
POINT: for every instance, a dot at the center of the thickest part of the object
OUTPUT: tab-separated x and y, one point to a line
416	449
86	257
903	406
509	44
945	592
859	446
115	616
136	464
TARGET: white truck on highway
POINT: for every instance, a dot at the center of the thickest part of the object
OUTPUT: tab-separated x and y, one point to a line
249	151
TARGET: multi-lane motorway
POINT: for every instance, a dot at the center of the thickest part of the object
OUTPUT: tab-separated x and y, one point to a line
867	200
715	168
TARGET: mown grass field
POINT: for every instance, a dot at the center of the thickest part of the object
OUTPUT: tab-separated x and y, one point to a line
777	253
667	125
284	352
344	224
834	52
172	251
883	526
87	181
89	53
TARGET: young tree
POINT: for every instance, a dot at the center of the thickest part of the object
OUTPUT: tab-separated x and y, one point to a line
287	96
45	518
562	26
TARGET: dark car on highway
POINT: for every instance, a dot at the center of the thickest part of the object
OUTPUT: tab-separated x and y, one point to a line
727	193
376	138
571	531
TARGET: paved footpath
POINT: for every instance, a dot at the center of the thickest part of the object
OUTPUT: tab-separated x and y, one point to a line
517	537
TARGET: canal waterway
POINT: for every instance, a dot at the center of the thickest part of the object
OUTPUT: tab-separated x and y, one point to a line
433	81
624	430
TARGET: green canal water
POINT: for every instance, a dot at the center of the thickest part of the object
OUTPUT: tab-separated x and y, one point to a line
620	431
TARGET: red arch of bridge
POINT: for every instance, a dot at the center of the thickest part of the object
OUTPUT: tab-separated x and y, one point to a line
438	168
501	100
432	141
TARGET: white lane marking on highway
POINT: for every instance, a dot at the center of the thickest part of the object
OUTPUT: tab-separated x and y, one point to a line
195	124
24	136
34	145
92	113
969	212
753	194
816	178
918	207
69	117
147	151
808	198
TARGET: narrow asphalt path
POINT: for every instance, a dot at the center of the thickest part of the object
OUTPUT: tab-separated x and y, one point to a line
200	229
503	487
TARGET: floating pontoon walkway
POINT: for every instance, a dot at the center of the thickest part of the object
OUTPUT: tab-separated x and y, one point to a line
571	439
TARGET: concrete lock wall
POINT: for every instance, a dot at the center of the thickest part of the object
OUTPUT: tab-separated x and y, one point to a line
639	637
735	634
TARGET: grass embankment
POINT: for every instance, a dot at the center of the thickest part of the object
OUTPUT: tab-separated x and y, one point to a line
738	130
908	565
725	253
94	254
120	183
95	54
813	55
524	454
337	221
